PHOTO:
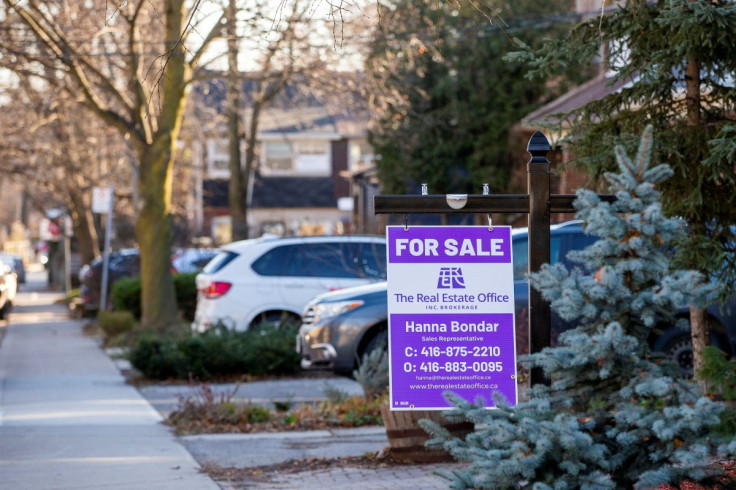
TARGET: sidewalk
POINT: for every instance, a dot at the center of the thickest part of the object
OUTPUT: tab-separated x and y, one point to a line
67	418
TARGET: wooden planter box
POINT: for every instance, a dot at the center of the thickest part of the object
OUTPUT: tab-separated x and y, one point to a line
406	438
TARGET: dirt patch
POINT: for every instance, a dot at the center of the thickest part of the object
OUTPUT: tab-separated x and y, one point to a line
264	474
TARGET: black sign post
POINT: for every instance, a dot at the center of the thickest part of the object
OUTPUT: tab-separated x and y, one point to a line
538	203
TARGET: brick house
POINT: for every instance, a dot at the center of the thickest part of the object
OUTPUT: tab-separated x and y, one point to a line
297	187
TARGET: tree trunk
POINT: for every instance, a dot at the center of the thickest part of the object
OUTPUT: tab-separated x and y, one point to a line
153	230
251	155
236	187
700	336
84	227
157	152
698	323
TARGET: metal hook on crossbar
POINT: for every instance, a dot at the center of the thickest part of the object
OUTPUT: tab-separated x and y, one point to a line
490	222
406	222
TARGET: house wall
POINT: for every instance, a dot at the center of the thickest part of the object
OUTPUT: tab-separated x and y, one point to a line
340	163
279	221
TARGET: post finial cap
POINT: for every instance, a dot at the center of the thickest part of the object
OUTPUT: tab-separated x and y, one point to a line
538	144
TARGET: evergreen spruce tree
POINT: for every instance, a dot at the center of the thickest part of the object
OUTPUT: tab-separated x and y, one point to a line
615	415
677	58
444	99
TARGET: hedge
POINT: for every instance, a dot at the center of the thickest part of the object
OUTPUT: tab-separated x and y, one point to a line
126	295
217	354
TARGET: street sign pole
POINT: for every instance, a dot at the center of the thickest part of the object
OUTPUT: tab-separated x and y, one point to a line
106	253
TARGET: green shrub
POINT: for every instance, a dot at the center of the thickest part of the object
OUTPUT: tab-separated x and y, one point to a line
158	358
720	373
126	295
185	286
218	353
271	350
372	374
115	323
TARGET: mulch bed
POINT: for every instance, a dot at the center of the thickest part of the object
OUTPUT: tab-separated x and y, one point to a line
730	472
370	461
293	466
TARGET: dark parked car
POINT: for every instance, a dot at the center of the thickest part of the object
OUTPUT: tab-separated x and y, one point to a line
123	263
339	327
126	263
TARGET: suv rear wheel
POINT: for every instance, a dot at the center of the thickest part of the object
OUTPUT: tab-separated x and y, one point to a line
274	319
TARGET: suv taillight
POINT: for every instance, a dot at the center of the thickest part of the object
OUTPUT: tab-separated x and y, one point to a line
216	289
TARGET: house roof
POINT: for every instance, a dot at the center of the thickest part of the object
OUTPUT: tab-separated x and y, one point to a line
299	108
276	192
321	120
594	89
598	88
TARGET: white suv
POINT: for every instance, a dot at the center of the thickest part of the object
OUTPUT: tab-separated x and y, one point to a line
253	281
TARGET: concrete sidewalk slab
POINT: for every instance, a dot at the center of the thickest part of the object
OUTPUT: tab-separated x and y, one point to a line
262	449
98	456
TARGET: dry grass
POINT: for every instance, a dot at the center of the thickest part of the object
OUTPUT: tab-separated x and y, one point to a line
207	412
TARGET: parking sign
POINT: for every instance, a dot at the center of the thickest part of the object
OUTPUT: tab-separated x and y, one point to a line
451	315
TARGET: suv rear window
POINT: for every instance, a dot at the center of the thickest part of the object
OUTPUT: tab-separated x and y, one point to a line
366	260
352	260
219	261
272	263
319	260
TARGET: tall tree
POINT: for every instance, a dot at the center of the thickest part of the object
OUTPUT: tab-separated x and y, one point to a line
237	190
283	52
443	98
678	58
131	63
49	140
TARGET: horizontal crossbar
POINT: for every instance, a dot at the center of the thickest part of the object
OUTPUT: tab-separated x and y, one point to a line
474	203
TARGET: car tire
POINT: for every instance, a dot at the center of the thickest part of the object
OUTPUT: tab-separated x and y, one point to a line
273	318
378	338
677	345
5	310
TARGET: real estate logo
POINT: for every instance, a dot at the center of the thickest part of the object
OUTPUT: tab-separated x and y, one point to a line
451	278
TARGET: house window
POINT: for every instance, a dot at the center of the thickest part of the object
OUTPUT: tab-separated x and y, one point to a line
218	158
313	147
277	158
303	157
313	157
361	154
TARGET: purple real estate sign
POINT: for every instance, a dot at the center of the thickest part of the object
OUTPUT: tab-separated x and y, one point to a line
451	315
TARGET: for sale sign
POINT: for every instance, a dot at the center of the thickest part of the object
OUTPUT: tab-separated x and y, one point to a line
451	315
